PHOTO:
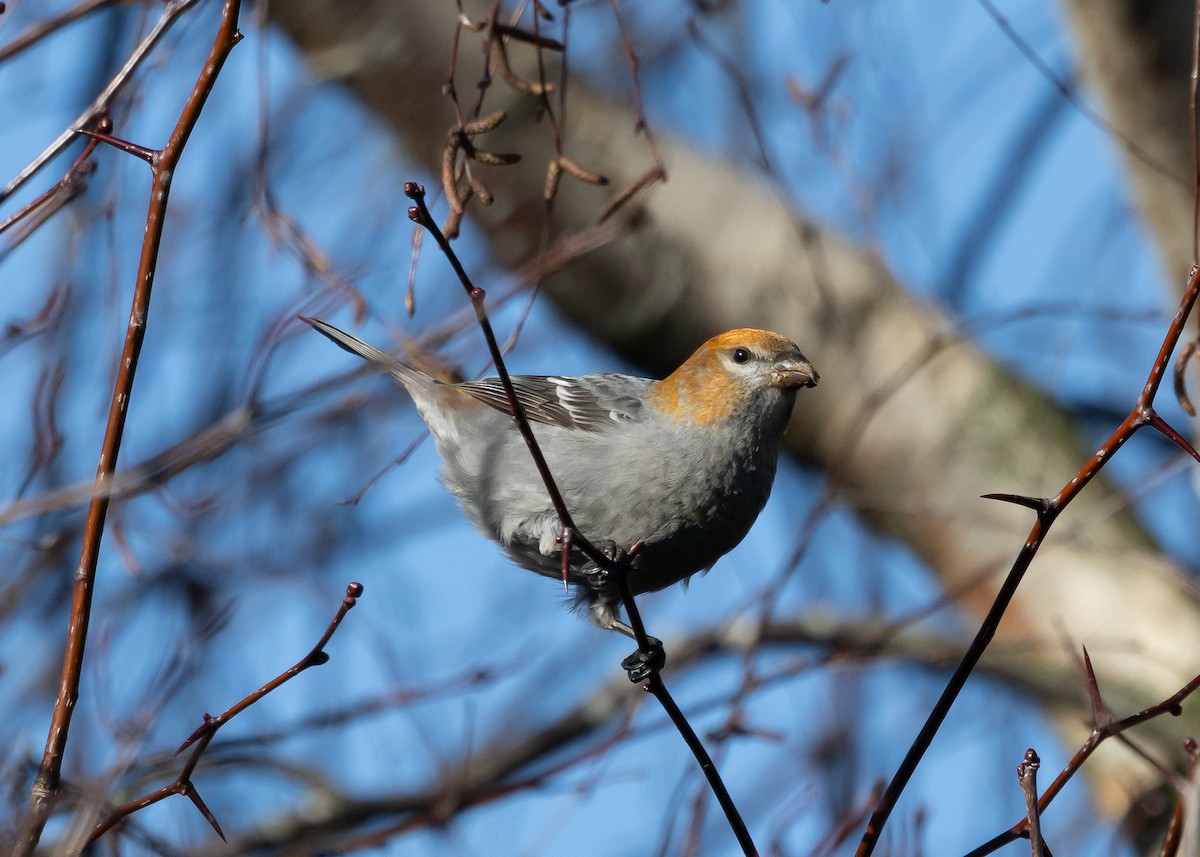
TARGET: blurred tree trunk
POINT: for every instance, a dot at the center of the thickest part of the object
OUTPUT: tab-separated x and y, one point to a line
910	422
1138	57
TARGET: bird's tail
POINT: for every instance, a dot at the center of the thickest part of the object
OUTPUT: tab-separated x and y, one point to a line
405	374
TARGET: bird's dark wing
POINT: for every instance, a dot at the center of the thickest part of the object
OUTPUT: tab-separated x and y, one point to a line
588	403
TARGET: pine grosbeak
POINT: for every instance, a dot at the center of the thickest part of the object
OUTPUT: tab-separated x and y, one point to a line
683	465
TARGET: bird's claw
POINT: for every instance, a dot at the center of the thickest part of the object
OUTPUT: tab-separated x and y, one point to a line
645	662
598	578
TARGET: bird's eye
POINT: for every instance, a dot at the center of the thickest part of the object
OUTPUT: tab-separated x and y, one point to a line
740	355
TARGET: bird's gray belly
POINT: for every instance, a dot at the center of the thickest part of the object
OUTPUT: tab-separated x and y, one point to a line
687	507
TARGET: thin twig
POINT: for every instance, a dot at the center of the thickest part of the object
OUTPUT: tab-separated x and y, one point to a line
1027	777
1141	415
654	684
203	736
45	786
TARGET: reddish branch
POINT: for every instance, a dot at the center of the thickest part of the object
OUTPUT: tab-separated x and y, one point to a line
163	165
1048	509
203	736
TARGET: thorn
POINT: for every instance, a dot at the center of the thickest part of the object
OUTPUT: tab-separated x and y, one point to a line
150	156
1175	437
199	733
1100	715
194	797
1039	504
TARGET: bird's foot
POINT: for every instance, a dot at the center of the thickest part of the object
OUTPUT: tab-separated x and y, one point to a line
645	662
597	577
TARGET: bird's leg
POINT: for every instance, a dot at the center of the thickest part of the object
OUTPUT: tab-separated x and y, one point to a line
645	661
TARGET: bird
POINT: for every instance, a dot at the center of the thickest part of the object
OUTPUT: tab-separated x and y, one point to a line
680	466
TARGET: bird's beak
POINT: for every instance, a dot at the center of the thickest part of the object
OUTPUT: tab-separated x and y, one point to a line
794	374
